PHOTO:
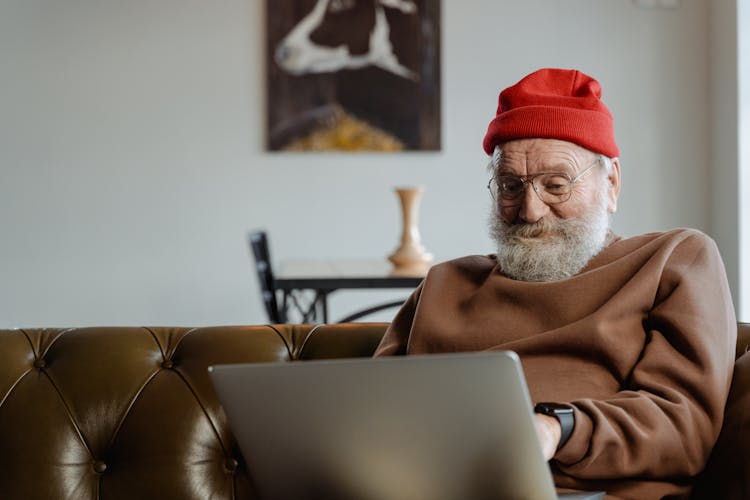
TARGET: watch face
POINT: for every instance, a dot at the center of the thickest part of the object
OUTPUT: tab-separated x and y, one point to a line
552	408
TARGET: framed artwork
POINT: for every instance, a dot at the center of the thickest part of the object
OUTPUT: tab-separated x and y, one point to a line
353	75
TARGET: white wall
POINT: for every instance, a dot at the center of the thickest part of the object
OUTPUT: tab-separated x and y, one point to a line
132	162
724	151
743	193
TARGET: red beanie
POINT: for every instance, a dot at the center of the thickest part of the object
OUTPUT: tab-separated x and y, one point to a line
554	104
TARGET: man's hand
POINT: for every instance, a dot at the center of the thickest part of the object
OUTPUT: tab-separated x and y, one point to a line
549	431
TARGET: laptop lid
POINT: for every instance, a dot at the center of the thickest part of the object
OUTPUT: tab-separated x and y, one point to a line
437	427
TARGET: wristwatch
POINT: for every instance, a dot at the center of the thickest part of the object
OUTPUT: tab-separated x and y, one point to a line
564	414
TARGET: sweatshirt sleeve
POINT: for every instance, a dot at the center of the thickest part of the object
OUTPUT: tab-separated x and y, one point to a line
396	338
669	414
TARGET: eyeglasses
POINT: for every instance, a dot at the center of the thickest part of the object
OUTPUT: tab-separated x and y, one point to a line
551	187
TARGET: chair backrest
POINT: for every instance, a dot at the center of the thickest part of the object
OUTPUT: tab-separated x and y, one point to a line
259	246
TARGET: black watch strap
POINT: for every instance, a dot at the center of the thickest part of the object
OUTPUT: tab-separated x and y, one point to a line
564	414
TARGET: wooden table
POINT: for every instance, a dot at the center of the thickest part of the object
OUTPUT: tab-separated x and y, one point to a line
323	277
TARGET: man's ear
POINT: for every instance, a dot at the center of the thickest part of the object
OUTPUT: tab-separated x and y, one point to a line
613	192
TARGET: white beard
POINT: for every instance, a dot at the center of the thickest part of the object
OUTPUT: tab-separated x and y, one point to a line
551	249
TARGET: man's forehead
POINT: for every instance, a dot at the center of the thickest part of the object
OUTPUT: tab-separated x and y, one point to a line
542	146
531	152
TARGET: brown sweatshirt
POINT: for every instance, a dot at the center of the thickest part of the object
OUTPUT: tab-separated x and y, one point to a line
641	342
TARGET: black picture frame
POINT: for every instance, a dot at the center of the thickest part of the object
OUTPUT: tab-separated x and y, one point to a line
334	85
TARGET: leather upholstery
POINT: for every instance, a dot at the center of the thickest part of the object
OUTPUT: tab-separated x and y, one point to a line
743	338
727	475
125	413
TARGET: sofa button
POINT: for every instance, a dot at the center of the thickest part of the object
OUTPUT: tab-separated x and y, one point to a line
230	465
39	363
99	466
168	364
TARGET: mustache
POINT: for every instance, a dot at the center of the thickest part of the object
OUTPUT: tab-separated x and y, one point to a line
536	229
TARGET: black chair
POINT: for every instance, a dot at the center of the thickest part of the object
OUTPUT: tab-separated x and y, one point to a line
310	310
259	245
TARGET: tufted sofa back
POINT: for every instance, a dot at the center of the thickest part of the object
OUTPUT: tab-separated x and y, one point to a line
727	474
129	413
743	338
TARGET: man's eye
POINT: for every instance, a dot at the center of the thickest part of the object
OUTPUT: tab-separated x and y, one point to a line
555	183
510	186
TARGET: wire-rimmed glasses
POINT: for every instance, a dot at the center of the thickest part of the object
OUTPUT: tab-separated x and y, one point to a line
551	187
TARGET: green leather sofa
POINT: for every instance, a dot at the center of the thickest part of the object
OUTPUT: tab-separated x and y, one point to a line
129	413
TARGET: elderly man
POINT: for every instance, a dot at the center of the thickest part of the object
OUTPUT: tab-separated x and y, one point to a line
627	344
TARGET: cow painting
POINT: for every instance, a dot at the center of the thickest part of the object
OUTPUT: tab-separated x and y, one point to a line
318	44
353	75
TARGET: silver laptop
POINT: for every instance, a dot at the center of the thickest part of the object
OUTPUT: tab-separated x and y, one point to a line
437	427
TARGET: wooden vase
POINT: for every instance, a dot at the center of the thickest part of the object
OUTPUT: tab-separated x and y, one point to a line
410	254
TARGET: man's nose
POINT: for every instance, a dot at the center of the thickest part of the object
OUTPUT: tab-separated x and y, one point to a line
532	207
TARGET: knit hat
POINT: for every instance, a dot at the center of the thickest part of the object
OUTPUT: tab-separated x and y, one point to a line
554	104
